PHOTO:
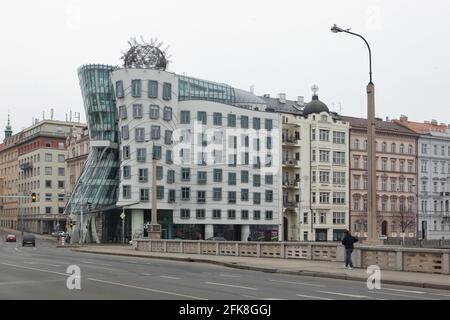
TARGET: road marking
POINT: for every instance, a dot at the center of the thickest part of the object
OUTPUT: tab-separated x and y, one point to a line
401	290
45	264
28	282
146	274
313	297
146	289
230	285
401	295
99	264
148	263
301	283
343	294
229	275
36	269
169	277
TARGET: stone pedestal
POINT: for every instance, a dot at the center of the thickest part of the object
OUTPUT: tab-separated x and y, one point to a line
154	231
372	242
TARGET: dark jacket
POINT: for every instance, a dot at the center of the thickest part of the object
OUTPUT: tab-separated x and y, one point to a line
348	241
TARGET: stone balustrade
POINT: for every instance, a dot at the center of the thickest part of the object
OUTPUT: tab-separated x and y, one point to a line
386	257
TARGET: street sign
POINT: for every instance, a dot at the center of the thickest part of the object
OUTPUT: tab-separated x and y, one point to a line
122	216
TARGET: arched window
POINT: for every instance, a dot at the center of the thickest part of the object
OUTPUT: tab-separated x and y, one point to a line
410	149
356	144
402	148
383	147
393	148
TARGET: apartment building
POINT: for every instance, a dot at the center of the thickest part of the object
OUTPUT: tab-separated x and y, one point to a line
77	154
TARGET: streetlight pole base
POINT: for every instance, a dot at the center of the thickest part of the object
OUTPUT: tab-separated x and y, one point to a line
154	231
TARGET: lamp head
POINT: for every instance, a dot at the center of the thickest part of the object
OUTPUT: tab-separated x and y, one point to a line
336	29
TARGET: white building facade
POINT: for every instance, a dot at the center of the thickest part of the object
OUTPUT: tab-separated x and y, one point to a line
217	152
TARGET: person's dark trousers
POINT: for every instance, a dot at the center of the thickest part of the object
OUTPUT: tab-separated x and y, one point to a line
348	257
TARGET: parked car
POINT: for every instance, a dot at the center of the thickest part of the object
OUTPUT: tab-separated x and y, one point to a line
217	239
11	238
29	239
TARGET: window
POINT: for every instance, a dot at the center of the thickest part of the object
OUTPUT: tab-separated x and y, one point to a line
185	117
170	176
144	195
244	214
402	148
185	174
217	118
126	152
185	193
231	214
269	214
217	194
244	176
435	151
159	173
268	124
256	180
305	217
245	195
324	156
410	166
384	146
143	175
402	165
338	137
231	178
256	123
125	133
185	213
424	148
171	196
356	162
60	185
366	183
393	148
365	163
157	152
123	112
393	184
313	134
126	172
269	179
256	198
48	171
324	176
154	111
141	154
324	135
356	144
48	183
200	213
217	175
201	196
269	196
169	156
167	91
313	155
168	136
119	89
356	180
393	164
48	210
201	117
244	122
269	143
167	116
232	120
217	213
338	197
324	197
338	217
48	157
61	158
126	192
338	177
136	88
256	214
152	89
338	157
424	165
139	134
155	132
384	184
201	177
48	197
137	111
231	196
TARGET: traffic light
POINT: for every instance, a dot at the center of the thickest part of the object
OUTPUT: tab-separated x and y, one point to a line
33	197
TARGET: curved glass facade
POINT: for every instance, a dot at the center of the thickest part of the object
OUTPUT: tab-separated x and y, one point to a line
195	89
98	184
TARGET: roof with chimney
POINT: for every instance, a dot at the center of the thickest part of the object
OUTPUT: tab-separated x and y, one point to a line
380	125
427	127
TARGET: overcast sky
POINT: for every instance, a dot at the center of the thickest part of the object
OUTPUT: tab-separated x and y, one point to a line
277	46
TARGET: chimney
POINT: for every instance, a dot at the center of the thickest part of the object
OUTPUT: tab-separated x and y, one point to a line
282	97
403	118
266	95
434	122
300	100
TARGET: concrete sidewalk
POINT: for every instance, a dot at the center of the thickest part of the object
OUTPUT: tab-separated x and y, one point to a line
314	268
18	233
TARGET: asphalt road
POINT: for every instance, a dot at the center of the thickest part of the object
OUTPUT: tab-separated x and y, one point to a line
40	273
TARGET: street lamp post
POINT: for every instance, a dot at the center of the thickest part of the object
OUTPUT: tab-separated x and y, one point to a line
371	198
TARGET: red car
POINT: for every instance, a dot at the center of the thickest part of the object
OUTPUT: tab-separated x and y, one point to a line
11	238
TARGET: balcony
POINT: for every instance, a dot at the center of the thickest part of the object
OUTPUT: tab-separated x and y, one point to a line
290	204
26	166
291	163
290	141
291	184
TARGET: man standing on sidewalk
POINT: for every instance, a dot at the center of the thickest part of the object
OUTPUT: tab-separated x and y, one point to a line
348	242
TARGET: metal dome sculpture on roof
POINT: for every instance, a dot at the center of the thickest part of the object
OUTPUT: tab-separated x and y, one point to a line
315	106
146	55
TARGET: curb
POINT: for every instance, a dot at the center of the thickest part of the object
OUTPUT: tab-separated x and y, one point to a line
266	270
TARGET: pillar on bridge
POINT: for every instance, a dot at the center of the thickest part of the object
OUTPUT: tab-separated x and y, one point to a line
209	231
137	222
245	232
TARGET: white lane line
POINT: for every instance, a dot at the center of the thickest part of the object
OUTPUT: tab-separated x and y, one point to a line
146	289
146	274
42	263
229	275
35	269
230	285
344	294
300	283
148	263
313	297
95	263
253	297
401	295
401	290
169	277
28	282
